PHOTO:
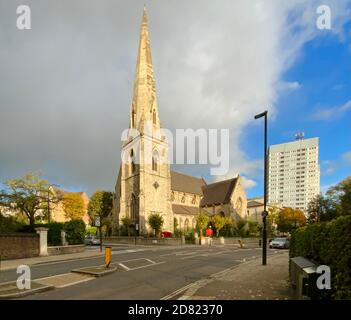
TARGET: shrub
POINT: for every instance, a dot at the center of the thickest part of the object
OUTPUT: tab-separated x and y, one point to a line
54	233
92	231
9	224
75	231
156	222
328	243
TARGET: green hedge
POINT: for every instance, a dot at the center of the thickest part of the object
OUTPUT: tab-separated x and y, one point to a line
328	244
75	231
54	233
9	224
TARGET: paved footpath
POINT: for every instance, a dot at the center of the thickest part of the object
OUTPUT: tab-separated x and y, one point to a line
247	281
13	264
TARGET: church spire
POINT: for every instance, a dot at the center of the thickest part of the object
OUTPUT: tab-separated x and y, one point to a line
144	103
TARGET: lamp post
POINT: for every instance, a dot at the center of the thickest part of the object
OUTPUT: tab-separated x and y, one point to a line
265	213
50	185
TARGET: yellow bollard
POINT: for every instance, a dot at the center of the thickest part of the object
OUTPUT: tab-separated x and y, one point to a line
108	256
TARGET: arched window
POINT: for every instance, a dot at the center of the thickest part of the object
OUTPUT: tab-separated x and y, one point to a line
193	201
154	160
134	214
186	224
132	162
154	116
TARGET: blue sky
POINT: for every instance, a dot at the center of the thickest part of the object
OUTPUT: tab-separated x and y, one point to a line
323	72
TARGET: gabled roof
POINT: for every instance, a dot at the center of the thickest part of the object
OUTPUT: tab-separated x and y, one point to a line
254	203
184	183
218	193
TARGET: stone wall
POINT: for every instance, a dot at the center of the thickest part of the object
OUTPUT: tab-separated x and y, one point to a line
52	251
17	246
144	241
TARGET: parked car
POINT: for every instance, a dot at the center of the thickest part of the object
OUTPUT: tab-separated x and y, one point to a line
279	243
166	234
91	240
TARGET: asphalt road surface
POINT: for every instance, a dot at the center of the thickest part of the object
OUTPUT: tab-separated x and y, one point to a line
148	273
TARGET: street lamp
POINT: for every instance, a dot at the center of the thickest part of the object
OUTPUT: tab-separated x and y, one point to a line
50	185
265	213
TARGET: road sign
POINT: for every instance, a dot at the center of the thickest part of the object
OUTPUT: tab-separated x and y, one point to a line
264	214
97	222
136	226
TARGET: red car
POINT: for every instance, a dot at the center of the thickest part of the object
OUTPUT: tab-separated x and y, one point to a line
166	234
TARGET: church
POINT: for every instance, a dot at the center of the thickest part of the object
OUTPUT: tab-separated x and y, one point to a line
145	184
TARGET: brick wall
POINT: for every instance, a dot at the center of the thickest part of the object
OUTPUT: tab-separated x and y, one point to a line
17	246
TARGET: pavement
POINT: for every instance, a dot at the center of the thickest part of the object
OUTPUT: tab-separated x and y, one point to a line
13	264
247	281
160	272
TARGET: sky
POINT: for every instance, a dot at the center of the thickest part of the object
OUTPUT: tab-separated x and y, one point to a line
66	84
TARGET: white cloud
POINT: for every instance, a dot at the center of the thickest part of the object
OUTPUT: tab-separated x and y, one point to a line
331	113
66	85
347	157
330	166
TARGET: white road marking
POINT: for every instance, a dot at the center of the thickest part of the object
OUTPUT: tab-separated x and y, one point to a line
123	266
152	263
191	288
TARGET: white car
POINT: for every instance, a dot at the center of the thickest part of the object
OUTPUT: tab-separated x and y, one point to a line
92	240
281	243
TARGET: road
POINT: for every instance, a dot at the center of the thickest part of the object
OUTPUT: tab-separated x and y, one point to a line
142	272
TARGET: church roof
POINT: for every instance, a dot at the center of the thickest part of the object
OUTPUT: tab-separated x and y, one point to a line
254	203
184	183
181	209
218	193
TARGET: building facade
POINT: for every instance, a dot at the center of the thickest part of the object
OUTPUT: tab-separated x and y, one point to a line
145	183
294	173
255	208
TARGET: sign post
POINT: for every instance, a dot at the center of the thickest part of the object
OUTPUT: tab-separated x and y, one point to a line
98	224
136	231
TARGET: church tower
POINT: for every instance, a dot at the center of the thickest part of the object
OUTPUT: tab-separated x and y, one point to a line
144	182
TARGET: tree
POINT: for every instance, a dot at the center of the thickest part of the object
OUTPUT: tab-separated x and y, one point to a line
127	223
28	195
100	204
253	228
202	222
156	222
218	222
321	208
289	219
341	196
241	226
73	205
107	225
